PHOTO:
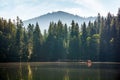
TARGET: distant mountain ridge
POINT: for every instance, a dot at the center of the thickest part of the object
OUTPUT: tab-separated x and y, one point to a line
44	20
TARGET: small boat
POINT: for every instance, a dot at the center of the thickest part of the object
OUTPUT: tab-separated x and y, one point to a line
89	63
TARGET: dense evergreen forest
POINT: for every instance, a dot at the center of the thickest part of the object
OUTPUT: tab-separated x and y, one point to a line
97	41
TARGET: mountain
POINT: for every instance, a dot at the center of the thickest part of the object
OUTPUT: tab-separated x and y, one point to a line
44	20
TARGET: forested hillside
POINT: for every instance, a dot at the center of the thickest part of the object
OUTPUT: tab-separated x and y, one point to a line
44	20
97	41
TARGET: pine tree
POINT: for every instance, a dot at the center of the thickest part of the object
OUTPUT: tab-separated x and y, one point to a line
19	39
74	41
118	37
29	45
83	41
37	42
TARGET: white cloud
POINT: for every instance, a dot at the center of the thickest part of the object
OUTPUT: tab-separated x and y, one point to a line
92	5
78	11
22	9
75	11
27	9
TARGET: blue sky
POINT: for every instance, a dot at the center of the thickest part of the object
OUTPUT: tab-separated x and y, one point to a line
27	9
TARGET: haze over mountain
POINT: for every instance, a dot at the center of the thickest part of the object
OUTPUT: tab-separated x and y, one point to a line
44	20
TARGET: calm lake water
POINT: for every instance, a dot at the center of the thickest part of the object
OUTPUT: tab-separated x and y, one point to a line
59	71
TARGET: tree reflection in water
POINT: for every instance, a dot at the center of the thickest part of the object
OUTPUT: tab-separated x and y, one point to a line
53	71
66	77
29	72
8	78
20	71
22	75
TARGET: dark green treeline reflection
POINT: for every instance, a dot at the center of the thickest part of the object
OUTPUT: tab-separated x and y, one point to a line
29	72
57	71
47	71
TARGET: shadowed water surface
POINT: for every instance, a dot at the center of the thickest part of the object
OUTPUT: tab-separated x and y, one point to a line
59	71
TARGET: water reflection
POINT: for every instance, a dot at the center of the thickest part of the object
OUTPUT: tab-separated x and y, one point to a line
25	71
8	77
58	71
66	77
29	72
20	71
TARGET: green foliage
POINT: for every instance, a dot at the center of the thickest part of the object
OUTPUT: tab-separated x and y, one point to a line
74	42
97	41
37	42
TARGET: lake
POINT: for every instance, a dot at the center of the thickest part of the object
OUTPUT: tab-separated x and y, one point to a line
59	71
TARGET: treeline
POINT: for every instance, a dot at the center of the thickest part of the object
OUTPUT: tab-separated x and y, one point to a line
97	41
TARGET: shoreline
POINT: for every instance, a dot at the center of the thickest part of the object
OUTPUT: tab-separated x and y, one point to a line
62	62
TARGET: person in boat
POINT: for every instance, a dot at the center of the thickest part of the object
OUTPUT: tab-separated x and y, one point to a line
89	63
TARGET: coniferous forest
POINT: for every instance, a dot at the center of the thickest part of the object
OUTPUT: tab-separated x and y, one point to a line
96	41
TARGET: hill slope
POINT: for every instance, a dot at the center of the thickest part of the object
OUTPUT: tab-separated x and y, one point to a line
44	20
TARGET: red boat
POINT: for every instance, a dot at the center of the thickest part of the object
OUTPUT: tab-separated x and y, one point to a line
89	63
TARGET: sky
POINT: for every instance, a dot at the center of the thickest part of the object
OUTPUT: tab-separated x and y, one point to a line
27	9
